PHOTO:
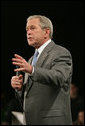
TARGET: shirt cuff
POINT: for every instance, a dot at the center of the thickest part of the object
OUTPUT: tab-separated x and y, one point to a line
33	70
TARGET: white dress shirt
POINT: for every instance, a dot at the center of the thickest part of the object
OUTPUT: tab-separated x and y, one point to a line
42	47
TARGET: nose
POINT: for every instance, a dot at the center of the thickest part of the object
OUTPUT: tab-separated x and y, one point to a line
28	32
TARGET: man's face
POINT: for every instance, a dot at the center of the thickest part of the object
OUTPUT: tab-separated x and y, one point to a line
35	35
81	116
73	90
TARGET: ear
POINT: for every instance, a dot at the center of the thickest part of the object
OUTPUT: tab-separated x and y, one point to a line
47	32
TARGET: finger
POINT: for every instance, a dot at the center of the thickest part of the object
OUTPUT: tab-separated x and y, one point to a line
16	80
20	80
17	86
15	77
18	56
19	69
17	60
16	83
18	64
20	76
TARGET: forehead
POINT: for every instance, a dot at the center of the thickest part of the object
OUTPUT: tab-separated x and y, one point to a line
72	85
34	21
81	113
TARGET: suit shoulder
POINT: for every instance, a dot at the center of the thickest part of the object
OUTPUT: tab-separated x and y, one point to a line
61	49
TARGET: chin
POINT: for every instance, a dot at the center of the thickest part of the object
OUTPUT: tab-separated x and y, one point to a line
31	44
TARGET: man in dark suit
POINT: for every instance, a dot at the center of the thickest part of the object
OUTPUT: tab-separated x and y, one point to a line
48	76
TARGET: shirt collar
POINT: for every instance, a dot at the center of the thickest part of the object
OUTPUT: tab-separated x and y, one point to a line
43	46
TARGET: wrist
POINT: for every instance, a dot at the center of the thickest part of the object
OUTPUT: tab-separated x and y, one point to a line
30	70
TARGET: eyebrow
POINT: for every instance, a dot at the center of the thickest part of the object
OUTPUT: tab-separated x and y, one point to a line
30	26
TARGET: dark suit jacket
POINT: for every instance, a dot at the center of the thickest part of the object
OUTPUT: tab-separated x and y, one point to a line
47	93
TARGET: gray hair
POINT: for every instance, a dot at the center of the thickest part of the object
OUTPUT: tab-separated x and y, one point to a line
44	23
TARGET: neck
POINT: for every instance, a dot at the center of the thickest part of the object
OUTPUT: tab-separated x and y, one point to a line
40	44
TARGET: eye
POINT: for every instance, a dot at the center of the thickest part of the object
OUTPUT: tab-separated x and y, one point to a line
27	28
32	27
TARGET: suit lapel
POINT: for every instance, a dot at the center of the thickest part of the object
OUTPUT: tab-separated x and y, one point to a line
41	59
39	63
44	54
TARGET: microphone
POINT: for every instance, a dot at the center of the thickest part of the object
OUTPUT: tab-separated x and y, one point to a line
18	72
16	90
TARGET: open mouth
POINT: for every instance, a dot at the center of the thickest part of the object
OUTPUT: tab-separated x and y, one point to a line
29	38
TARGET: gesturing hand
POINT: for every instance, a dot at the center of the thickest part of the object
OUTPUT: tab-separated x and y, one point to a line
22	63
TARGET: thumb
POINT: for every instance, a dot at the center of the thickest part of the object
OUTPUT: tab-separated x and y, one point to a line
20	76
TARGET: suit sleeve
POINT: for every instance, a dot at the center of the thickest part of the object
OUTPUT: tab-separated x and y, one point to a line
59	73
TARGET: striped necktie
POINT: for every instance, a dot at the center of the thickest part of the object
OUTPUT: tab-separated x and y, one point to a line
35	58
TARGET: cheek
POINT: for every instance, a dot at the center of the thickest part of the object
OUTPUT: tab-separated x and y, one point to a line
39	35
